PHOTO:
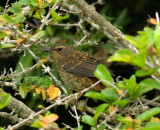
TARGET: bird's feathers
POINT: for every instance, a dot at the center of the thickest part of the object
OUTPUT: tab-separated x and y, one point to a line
81	64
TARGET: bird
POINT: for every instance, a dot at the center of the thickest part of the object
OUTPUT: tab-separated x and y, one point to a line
76	68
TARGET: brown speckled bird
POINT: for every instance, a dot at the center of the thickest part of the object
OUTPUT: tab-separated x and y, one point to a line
76	68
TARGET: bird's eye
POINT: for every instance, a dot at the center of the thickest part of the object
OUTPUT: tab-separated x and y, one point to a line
59	49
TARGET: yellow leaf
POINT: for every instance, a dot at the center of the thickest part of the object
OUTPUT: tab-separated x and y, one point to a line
49	1
42	60
38	90
128	118
2	19
7	32
41	90
45	121
155	119
40	106
20	40
50	118
53	92
129	129
44	124
33	86
137	121
111	109
119	91
153	21
43	93
80	108
38	65
40	2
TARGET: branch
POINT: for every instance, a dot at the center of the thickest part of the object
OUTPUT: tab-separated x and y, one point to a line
58	102
108	29
45	19
151	102
76	116
14	74
19	107
14	119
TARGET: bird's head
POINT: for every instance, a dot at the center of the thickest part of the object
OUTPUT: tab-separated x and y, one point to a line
59	50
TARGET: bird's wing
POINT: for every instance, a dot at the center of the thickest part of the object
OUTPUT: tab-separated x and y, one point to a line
81	65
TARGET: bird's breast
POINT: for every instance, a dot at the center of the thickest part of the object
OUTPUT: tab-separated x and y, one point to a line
74	82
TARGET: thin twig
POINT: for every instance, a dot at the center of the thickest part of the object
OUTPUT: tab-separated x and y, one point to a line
15	74
151	102
13	118
78	118
58	102
89	11
20	108
45	19
48	70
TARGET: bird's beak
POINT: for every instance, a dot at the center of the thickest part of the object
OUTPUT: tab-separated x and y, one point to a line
47	50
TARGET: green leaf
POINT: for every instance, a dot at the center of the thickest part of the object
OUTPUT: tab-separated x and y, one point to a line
13	20
102	127
99	110
152	126
39	35
129	57
141	73
34	3
103	74
95	95
36	124
7	45
148	114
6	99
15	8
109	94
45	81
1	128
136	90
57	18
2	35
88	120
150	84
23	91
18	18
54	14
1	8
37	15
6	17
29	80
132	40
132	87
64	17
122	102
143	40
121	84
79	127
42	12
24	2
125	120
157	38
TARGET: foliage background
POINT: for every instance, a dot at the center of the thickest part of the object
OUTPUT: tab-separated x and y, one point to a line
128	16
